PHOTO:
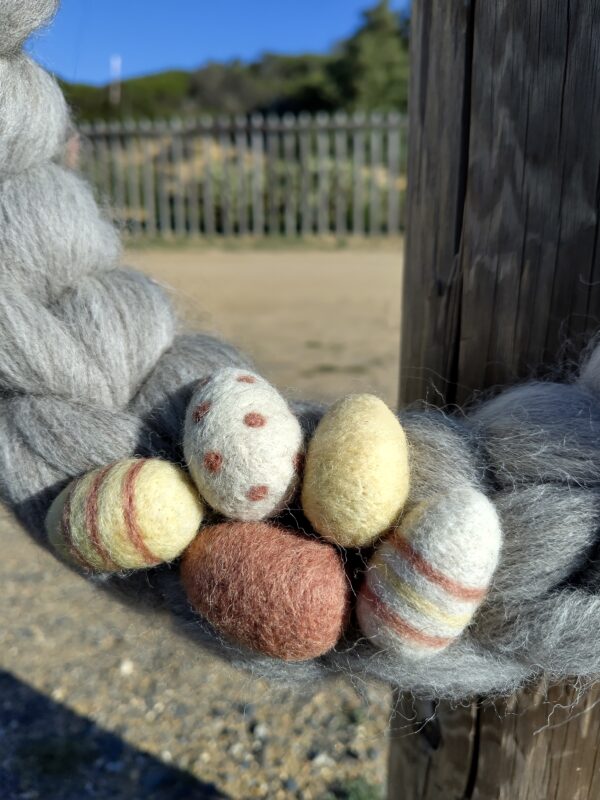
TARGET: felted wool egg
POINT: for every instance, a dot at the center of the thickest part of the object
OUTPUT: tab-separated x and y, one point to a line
356	474
272	590
242	444
133	514
427	578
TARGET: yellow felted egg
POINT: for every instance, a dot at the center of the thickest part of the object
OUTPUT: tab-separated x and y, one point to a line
356	475
134	514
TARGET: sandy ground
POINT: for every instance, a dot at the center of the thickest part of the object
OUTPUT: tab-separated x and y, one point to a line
97	700
319	324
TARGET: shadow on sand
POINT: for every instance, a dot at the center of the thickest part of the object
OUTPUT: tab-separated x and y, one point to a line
48	751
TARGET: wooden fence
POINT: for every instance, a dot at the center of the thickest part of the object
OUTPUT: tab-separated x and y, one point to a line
296	175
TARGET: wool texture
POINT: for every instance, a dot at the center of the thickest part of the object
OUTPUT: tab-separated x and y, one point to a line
272	590
134	514
95	369
429	576
21	146
20	18
356	477
242	444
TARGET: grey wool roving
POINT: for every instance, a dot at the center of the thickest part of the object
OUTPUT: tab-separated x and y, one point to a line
94	369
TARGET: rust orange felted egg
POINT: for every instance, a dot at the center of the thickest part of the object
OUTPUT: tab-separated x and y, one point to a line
276	592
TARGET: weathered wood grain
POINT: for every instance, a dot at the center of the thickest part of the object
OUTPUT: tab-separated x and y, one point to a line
438	140
502	274
504	177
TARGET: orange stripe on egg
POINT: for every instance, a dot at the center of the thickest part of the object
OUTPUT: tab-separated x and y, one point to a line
91	519
67	533
400	626
452	587
130	514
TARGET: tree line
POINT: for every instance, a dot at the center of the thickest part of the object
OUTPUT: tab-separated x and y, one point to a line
367	71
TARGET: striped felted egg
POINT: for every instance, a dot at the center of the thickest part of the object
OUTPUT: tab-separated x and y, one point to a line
428	577
134	514
242	444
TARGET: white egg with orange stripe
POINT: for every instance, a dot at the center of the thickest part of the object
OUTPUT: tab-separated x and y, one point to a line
428	577
133	514
242	444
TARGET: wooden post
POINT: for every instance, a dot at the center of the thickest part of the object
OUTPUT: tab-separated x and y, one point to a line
502	268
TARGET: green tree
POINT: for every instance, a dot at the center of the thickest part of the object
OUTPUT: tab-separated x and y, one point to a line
372	70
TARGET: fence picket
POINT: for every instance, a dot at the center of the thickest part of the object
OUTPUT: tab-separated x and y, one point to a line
358	211
133	186
208	201
102	175
289	153
306	182
117	162
341	201
224	140
162	166
375	163
295	175
258	207
393	160
193	200
323	159
148	183
176	128
241	146
272	176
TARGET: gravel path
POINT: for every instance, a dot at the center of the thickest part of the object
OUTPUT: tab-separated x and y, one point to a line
100	701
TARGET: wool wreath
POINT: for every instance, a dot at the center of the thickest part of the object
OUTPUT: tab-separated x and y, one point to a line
94	369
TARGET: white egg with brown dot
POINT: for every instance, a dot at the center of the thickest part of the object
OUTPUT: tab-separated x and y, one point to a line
242	444
356	477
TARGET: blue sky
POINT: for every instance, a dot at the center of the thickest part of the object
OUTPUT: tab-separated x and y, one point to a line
152	35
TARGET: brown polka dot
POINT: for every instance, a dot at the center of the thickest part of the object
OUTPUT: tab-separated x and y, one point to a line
213	461
298	462
246	379
201	411
256	493
255	420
